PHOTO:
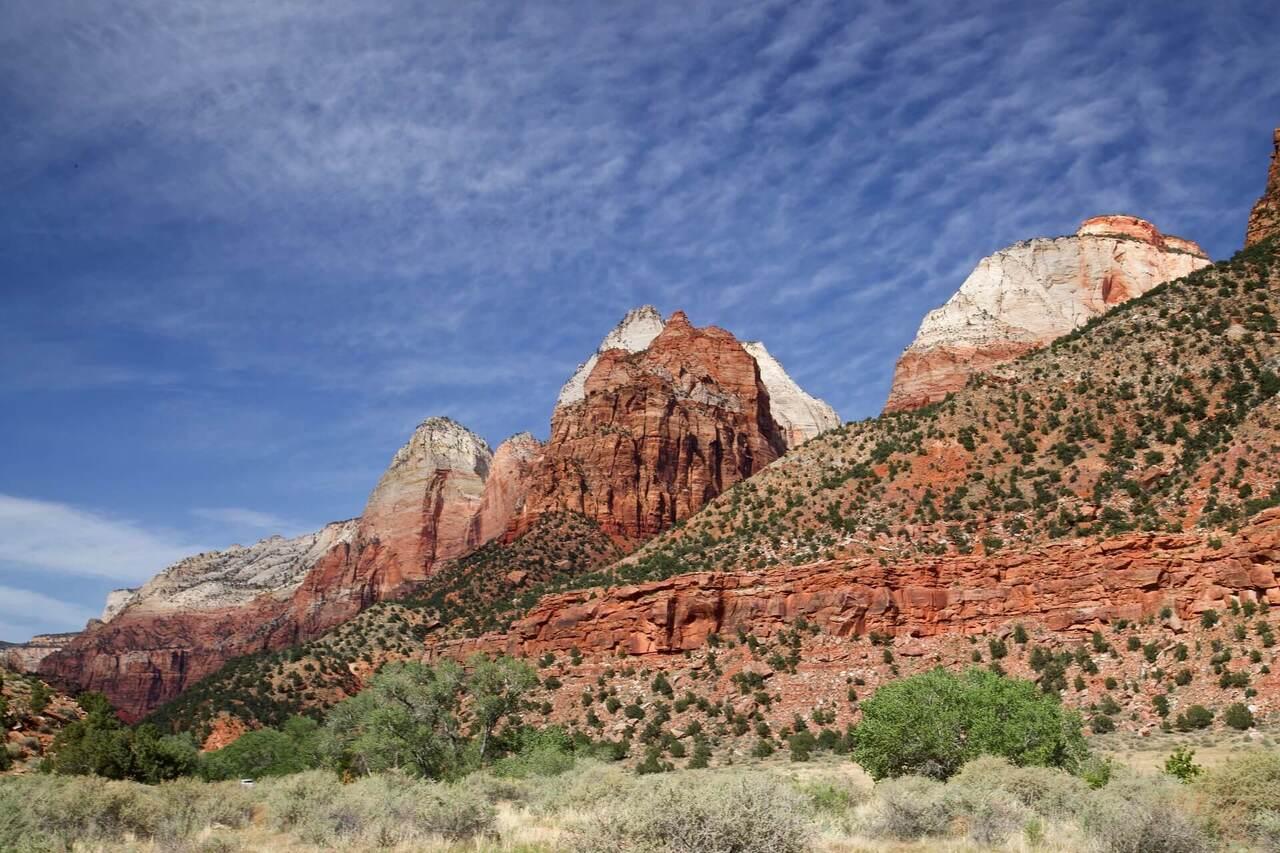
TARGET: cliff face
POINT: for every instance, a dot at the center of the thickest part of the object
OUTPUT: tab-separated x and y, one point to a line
798	415
190	619
1264	220
656	434
1025	296
1074	586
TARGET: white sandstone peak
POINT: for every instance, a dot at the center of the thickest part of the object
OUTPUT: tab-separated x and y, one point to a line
797	413
1024	296
235	576
442	443
634	334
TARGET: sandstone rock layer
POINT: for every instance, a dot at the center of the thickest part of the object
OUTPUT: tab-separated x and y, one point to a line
1075	586
1025	296
1264	219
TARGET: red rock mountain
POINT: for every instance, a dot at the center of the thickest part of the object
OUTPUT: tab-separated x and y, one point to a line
657	433
434	503
1074	585
1025	296
1264	220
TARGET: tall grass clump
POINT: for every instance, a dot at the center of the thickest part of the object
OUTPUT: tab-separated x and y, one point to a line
710	814
383	810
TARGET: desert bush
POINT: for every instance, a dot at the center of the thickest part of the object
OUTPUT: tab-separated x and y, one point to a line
1264	830
1236	791
1141	815
51	812
381	810
833	795
995	817
908	808
708	815
1044	790
591	784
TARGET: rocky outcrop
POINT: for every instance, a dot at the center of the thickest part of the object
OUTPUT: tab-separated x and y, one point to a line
636	331
1074	586
26	657
1264	219
506	488
194	616
1025	296
657	433
799	415
117	600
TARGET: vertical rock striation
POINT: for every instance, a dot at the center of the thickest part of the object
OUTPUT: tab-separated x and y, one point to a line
656	434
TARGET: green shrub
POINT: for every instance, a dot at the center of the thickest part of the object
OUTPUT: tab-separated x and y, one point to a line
1238	716
1195	717
1181	765
932	723
908	808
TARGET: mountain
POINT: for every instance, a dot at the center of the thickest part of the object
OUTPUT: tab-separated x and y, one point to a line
195	615
1022	297
657	432
799	415
1264	219
1115	494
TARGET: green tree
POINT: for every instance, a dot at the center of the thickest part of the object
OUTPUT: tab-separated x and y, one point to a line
932	723
406	719
265	752
40	696
155	757
1238	716
497	688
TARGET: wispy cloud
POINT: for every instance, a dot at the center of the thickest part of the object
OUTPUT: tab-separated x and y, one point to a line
60	538
23	613
250	519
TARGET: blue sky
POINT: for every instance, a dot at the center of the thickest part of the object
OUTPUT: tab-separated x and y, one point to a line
248	246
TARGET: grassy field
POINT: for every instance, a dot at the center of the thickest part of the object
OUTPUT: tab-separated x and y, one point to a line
773	806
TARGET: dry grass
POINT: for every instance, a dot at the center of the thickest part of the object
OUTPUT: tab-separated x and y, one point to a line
832	806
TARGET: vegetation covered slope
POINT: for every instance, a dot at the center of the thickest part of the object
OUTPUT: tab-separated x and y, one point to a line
476	593
1160	415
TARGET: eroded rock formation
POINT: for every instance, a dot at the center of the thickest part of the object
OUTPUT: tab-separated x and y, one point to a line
1025	296
657	433
1264	219
799	415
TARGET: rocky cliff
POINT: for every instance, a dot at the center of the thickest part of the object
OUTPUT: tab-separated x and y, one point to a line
1025	296
1073	586
799	415
1264	219
656	434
